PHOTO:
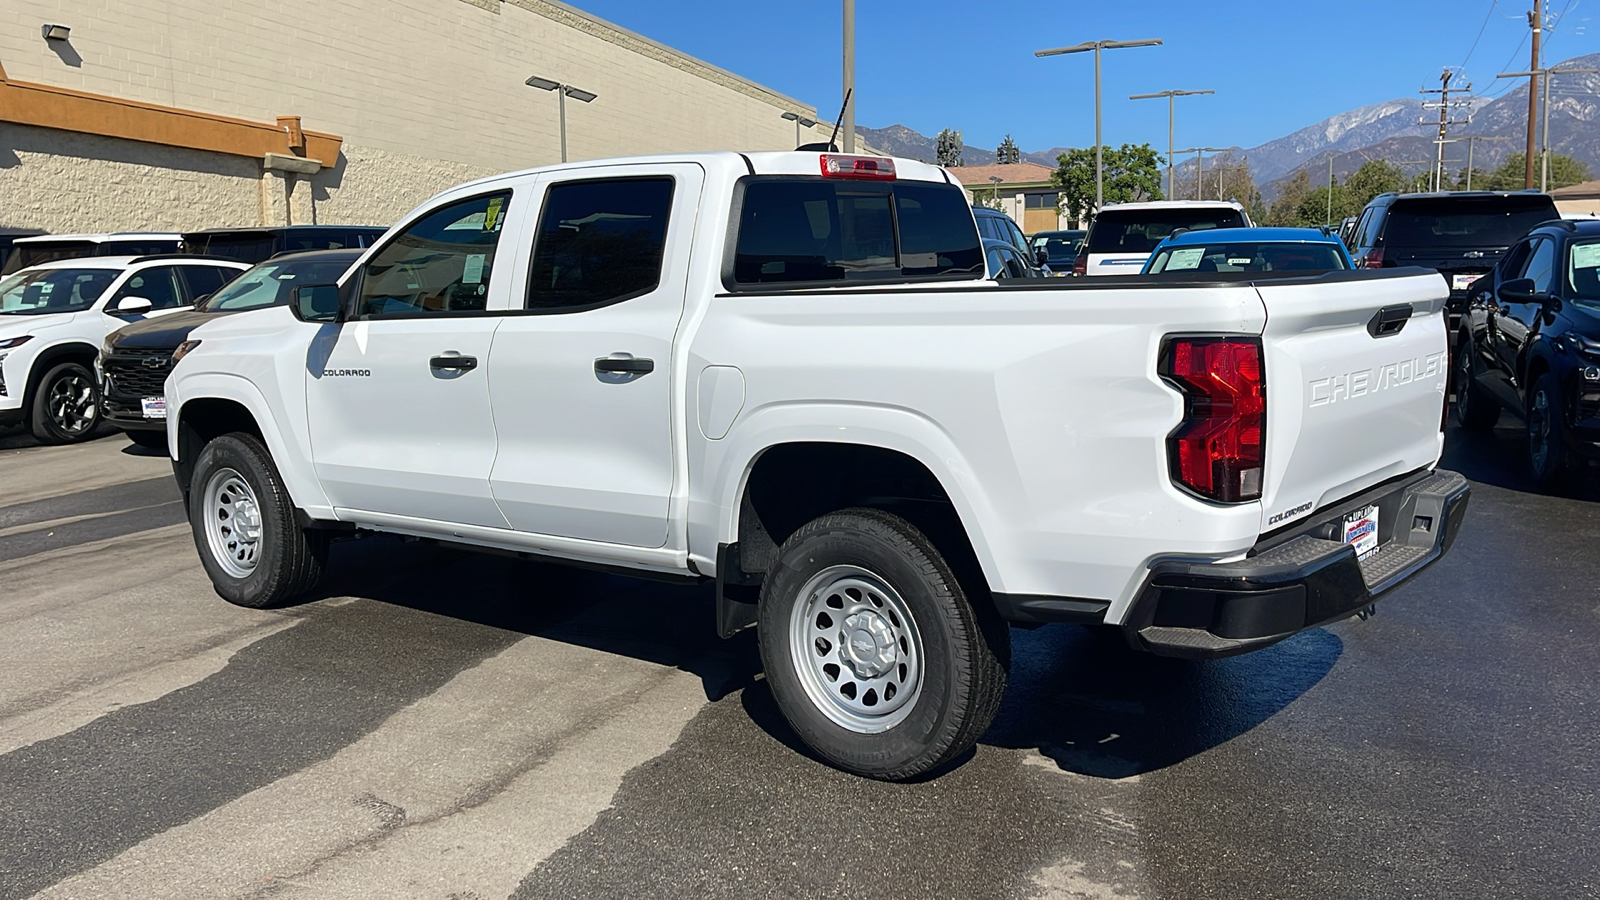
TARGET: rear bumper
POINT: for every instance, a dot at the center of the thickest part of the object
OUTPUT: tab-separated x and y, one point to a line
1298	579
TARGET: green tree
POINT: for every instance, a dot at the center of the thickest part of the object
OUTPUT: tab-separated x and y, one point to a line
1132	173
1564	170
948	148
1292	192
1007	152
1376	176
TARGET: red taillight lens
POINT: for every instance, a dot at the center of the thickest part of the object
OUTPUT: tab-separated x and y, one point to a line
1080	266
1216	452
875	168
1374	258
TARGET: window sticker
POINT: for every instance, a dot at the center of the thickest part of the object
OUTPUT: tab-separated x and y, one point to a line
1586	256
491	216
1185	259
472	270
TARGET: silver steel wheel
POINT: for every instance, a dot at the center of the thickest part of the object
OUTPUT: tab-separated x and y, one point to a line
71	404
856	649
232	522
1539	413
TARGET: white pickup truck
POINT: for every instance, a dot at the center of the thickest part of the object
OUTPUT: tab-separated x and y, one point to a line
785	372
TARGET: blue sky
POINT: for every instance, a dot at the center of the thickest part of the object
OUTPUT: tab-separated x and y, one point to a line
1276	65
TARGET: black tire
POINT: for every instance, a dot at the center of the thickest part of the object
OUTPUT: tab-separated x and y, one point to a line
1549	460
66	405
285	560
150	440
1476	409
962	664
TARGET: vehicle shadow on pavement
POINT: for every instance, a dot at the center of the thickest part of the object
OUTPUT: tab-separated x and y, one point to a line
1500	459
1082	698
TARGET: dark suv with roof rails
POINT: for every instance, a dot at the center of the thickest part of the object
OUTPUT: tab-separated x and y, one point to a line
1459	234
253	245
1530	342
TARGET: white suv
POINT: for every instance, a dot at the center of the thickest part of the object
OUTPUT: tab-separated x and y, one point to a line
1124	234
54	316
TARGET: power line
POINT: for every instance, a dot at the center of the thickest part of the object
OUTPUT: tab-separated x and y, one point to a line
1487	16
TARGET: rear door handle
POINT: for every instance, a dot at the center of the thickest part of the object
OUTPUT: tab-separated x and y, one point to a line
456	362
628	365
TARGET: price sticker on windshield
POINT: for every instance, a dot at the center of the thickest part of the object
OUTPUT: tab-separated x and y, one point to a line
1586	256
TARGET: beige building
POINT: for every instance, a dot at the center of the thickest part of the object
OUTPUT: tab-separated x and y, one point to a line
180	114
1024	192
1578	199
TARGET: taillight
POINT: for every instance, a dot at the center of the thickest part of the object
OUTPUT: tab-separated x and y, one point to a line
1080	266
1217	451
1374	258
874	168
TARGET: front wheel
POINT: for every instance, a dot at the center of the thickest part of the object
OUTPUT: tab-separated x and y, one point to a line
244	526
1548	458
66	405
872	650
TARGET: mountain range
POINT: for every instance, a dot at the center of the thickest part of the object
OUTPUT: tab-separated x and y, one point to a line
1389	130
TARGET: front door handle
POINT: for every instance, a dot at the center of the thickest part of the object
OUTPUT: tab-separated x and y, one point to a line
455	362
628	365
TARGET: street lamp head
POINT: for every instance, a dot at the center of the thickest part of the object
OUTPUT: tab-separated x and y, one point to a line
1117	45
543	84
793	117
807	123
1096	45
1077	48
580	96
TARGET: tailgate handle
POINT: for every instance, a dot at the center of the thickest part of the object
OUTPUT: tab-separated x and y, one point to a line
1389	320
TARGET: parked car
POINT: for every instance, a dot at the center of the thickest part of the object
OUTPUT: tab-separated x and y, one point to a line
9	236
1459	234
785	371
1249	250
253	245
994	225
1347	229
135	359
1003	261
1122	235
31	251
1530	343
54	316
1060	247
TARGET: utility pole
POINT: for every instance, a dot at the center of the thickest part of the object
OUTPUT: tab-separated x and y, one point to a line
1544	142
1536	22
1200	166
1170	118
1445	104
1329	219
849	76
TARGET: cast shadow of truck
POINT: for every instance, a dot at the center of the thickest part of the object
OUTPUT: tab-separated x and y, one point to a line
1077	696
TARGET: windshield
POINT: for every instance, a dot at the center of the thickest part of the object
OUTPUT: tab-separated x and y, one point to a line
270	283
41	291
1140	230
1247	257
1583	273
1496	222
1062	246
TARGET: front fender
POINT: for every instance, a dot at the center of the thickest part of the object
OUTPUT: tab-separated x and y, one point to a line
714	513
284	432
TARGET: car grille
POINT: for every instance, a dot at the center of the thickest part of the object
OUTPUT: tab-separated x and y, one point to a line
137	374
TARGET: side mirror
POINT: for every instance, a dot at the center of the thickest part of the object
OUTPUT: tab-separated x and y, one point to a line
133	306
315	302
1517	290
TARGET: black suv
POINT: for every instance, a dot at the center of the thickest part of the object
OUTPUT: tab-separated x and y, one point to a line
253	245
1460	234
136	358
1530	342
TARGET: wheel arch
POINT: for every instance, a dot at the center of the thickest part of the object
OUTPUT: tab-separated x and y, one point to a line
77	351
212	404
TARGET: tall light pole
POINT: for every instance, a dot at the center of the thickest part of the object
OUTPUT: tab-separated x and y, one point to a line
563	91
849	76
799	121
1200	165
1096	46
1170	114
1544	140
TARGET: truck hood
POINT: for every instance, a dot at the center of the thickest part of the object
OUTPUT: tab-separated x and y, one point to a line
160	333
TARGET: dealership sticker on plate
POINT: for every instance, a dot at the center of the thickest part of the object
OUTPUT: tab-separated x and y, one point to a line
1361	530
1461	282
154	407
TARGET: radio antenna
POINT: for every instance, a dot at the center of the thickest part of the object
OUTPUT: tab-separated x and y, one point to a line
833	140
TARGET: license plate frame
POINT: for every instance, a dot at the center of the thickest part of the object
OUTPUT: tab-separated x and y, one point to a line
1360	530
1462	282
153	407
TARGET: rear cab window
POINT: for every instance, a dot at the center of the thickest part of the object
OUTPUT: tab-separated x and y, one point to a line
812	231
1465	221
1140	230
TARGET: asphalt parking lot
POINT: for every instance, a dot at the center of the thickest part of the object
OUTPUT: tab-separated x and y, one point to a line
441	724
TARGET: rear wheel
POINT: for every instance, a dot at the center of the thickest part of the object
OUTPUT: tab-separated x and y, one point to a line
871	649
1475	409
1549	461
66	405
244	526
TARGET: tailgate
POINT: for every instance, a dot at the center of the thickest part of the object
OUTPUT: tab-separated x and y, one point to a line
1347	409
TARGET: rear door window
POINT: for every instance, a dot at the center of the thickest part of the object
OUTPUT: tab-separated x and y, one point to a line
1488	222
1140	230
599	242
809	230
